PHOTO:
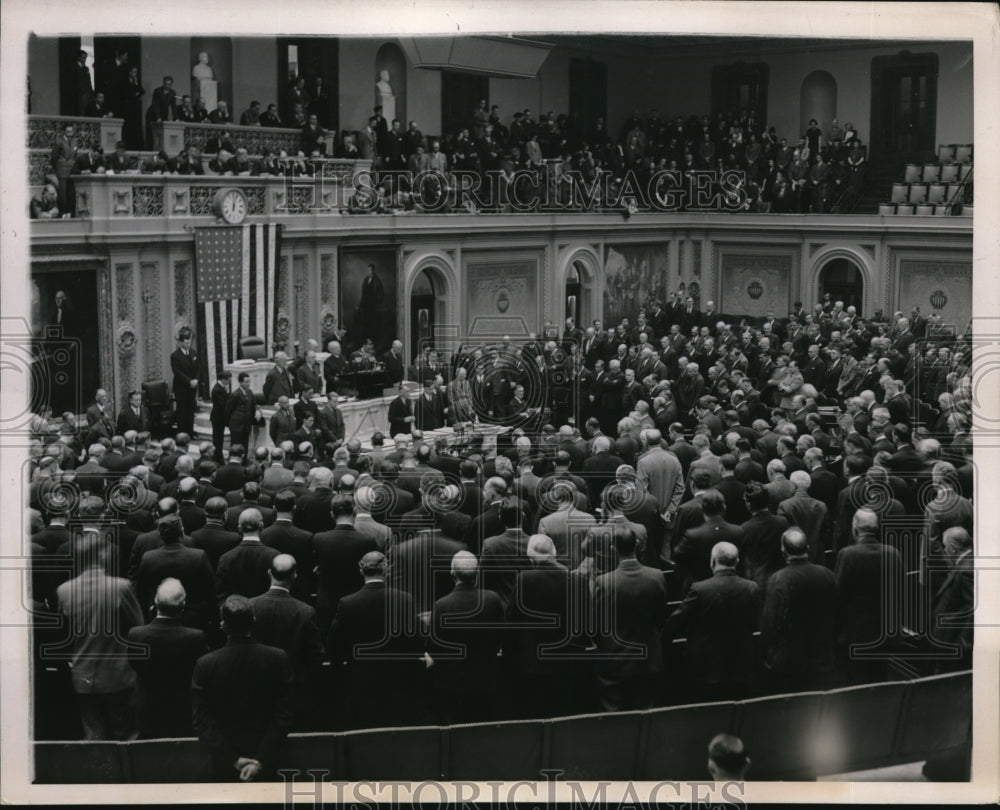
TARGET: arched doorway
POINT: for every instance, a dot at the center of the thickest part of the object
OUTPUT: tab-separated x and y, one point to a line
390	58
578	294
843	279
426	308
818	99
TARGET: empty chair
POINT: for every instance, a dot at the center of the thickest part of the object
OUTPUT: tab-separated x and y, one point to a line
963	153
886	209
966	211
953	193
942	211
252	348
936	193
930	174
946	152
918	193
904	210
964	171
912	173
949	173
925	210
156	395
900	192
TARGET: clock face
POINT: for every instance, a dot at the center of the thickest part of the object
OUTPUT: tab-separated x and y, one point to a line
233	206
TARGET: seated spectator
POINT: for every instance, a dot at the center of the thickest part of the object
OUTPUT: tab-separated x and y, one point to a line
219	141
98	108
188	164
200	112
186	111
313	137
158	164
222	163
250	117
46	204
221	114
121	161
270	117
89	161
727	759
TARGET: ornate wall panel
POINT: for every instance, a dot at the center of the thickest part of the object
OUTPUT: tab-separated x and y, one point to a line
328	292
184	312
502	295
151	320
944	287
303	330
754	284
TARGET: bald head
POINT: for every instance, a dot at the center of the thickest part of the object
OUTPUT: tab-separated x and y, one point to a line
170	597
464	567
793	543
800	480
864	524
724	555
283	569
541	547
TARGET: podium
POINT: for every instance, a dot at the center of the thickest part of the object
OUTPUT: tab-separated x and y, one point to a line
207	89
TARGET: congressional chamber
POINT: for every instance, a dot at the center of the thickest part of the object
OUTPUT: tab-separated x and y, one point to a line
446	408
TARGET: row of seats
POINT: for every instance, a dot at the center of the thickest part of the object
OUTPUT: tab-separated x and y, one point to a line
936	172
934	193
955	153
924	210
789	737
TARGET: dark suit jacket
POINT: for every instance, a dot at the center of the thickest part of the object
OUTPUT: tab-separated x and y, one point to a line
267	514
399	409
337	553
192	568
243	570
761	551
421	566
719	617
229	476
382	657
694	551
547	598
287	538
503	555
466	634
635	598
312	510
799	624
164	671
733	490
869	575
285	622
243	702
952	620
127	420
215	540
277	384
240	409
185	369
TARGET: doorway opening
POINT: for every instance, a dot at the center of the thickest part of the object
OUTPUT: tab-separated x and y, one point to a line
426	309
843	279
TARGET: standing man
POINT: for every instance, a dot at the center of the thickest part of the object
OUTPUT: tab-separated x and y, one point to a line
242	412
186	367
220	396
279	381
242	697
63	157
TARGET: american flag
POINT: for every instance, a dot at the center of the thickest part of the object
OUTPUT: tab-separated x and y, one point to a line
236	276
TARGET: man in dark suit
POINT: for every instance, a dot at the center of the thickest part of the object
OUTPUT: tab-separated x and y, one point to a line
243	570
163	654
232	475
214	538
374	641
312	508
242	697
394	364
135	416
799	623
761	549
186	367
250	499
242	412
543	651
192	515
505	554
718	617
466	635
694	551
869	578
427	409
401	412
220	396
952	620
100	418
288	623
733	490
279	381
808	513
337	553
289	539
189	565
629	652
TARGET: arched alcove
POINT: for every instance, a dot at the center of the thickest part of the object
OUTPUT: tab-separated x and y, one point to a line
818	99
845	281
390	57
577	282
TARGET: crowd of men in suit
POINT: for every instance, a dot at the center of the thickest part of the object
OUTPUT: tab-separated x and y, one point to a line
774	494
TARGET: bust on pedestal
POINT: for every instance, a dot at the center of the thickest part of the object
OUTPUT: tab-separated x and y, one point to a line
384	96
203	84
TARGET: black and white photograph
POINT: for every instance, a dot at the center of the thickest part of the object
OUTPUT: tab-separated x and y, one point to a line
400	404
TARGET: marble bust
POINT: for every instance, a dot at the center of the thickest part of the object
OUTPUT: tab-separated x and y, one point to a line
382	86
201	70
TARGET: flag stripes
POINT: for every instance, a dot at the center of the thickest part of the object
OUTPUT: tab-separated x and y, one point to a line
236	277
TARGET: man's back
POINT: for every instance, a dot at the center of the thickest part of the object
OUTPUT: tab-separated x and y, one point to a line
192	568
568	529
467	635
502	557
719	617
662	474
694	551
630	604
761	551
164	666
243	570
215	540
809	514
337	554
799	622
242	701
420	566
285	622
869	581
